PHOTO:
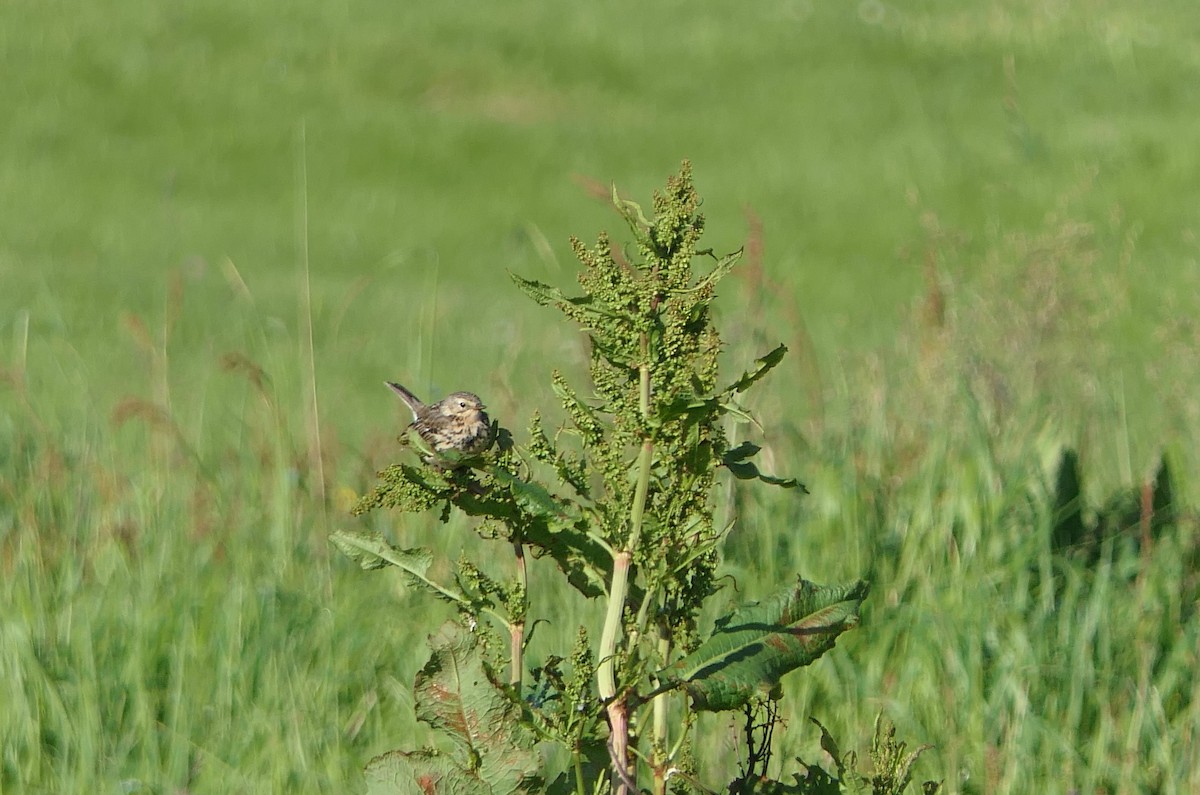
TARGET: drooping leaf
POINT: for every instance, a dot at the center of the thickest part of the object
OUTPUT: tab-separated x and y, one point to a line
743	452
586	563
753	647
554	527
737	461
457	695
729	407
764	366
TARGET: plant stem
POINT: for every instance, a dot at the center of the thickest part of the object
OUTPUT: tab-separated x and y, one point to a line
661	735
605	676
516	629
639	496
618	710
579	781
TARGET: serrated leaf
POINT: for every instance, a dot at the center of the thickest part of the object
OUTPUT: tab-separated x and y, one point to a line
543	294
893	768
371	551
582	309
765	365
457	695
753	647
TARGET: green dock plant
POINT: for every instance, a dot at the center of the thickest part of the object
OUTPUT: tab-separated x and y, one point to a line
620	496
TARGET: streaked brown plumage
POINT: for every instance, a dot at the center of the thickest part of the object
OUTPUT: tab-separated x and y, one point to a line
456	422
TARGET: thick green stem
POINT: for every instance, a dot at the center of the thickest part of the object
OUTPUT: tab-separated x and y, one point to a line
579	779
605	672
606	680
661	735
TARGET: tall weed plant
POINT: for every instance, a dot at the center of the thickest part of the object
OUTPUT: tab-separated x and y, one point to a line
620	494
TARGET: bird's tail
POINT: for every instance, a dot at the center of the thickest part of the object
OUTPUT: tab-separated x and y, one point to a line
412	401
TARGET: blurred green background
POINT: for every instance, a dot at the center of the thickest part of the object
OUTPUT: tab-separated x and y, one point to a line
223	225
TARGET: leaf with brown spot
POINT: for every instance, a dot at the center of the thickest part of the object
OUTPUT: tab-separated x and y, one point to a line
457	694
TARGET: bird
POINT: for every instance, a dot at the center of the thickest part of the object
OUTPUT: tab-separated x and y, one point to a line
457	423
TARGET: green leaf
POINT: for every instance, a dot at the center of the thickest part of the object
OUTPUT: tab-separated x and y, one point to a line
742	470
691	405
729	407
631	211
458	696
893	767
830	746
582	415
371	551
543	294
582	309
765	364
752	648
587	564
424	772
722	269
553	526
742	452
533	498
735	461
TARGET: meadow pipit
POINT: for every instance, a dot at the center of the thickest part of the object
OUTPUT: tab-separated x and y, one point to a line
456	422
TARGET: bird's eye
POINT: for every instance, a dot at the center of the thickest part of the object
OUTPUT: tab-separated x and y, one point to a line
462	404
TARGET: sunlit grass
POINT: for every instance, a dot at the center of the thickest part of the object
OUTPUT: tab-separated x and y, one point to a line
980	236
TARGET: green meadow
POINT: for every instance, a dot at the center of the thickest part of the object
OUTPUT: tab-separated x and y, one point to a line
224	225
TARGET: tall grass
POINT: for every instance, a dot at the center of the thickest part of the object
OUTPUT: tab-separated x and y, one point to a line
174	621
980	246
